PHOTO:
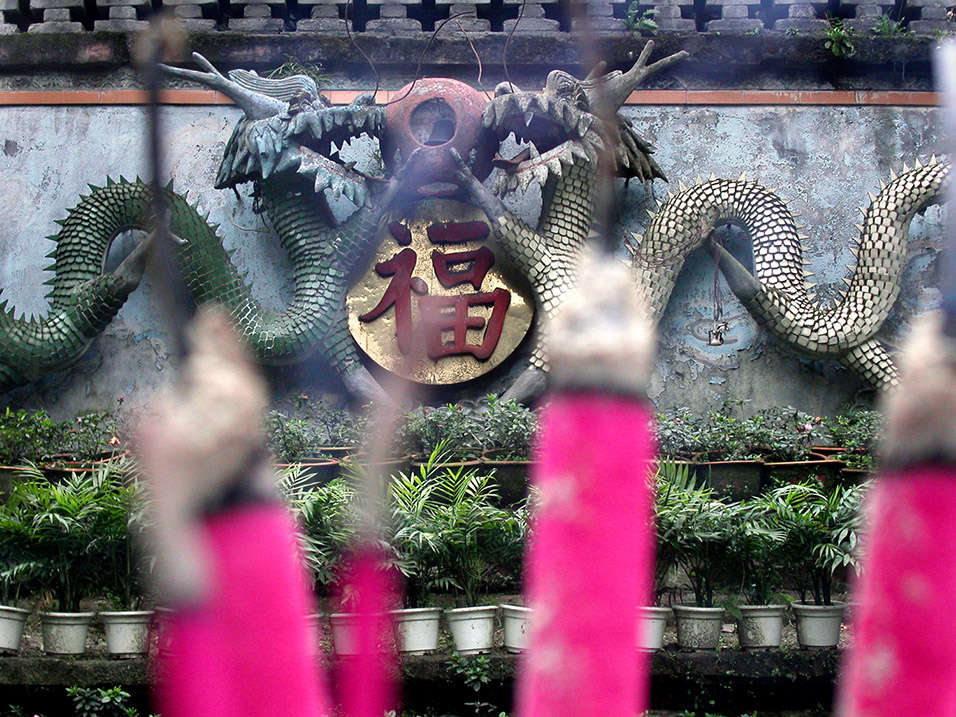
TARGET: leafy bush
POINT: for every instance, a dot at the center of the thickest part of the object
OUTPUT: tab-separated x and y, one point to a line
290	439
326	520
680	434
783	434
73	535
508	429
450	535
456	426
695	532
758	544
28	437
822	533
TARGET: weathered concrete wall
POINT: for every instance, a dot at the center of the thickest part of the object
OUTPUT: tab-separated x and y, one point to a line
823	160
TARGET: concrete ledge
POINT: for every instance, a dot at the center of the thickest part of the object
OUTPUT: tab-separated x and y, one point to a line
767	61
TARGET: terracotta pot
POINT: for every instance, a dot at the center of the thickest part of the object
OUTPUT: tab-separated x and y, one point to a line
820	470
736	480
314	473
698	628
760	626
511	477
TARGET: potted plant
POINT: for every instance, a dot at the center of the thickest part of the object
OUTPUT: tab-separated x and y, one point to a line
121	576
448	528
758	545
17	571
679	435
26	438
324	514
696	530
822	534
508	435
65	527
339	432
730	464
515	627
453	426
856	434
668	476
786	436
294	441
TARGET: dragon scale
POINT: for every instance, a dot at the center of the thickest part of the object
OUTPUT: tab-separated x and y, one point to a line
548	256
83	300
778	295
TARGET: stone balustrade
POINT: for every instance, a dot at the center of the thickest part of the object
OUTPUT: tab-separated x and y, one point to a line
537	17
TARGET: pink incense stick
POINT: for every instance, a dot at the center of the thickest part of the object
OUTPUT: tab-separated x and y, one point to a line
903	656
366	679
246	652
591	557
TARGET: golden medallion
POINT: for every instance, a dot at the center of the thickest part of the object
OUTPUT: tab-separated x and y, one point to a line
436	305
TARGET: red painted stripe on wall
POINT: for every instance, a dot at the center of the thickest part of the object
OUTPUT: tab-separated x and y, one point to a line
640	97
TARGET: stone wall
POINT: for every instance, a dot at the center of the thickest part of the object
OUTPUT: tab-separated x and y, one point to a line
822	159
527	17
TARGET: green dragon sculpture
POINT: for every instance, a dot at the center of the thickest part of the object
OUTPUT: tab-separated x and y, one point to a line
574	142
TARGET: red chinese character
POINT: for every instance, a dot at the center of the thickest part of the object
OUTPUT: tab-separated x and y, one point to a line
450	314
481	261
398	293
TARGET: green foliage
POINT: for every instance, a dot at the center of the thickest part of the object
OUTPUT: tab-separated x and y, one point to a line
822	533
290	439
73	536
34	437
325	514
459	427
335	426
859	433
449	534
695	532
680	434
838	39
28	437
758	544
783	434
101	702
886	26
641	21
292	66
476	673
509	429
91	436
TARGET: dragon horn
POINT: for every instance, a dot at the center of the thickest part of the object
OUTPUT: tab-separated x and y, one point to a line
613	89
254	104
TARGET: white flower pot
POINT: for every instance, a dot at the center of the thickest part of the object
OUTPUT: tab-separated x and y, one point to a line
12	620
818	626
698	628
162	617
315	631
760	626
650	627
344	625
64	633
416	629
516	622
127	632
472	628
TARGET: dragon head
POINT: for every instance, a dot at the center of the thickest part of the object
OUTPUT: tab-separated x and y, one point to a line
572	119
